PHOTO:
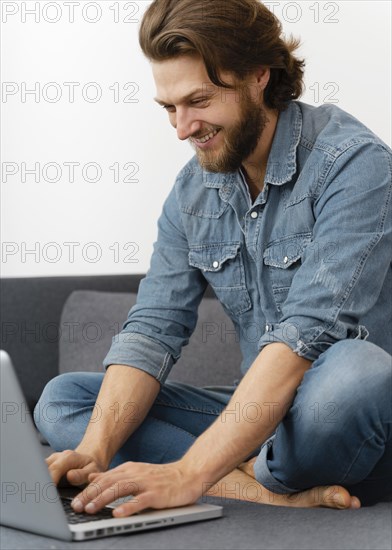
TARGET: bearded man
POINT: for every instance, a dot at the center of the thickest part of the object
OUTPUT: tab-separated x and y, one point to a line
285	212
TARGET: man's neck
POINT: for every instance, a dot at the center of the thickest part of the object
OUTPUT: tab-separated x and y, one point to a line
255	166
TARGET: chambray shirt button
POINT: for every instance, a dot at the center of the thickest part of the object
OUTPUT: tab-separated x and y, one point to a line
267	328
254	215
285	260
215	264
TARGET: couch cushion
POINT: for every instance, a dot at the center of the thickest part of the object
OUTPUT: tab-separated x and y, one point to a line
90	319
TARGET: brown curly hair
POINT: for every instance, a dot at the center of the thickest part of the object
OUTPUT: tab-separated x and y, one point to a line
236	36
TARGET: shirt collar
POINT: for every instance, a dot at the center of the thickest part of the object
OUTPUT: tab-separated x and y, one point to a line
282	160
281	165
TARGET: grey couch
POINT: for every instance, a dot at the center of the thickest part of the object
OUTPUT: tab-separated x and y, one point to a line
60	324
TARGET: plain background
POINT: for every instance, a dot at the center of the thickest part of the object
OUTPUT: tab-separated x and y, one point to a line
106	158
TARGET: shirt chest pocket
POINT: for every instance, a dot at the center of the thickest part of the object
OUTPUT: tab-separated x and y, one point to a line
283	258
223	268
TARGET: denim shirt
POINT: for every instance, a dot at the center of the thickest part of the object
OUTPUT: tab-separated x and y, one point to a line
308	263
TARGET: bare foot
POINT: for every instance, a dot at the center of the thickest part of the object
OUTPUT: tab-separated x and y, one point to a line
241	484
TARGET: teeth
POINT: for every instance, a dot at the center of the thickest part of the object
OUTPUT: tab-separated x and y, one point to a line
206	138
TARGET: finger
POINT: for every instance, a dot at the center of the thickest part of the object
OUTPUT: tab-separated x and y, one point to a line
54	457
114	492
94	476
80	476
95	496
141	502
94	490
51	458
77	476
64	462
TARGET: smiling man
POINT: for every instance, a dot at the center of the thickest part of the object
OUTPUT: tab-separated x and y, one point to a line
285	212
228	136
242	118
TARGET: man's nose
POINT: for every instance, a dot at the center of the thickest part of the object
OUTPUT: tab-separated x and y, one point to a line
186	125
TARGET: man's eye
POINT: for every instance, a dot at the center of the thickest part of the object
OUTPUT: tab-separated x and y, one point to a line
169	108
200	101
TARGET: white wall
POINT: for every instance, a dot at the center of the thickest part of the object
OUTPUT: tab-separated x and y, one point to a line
112	224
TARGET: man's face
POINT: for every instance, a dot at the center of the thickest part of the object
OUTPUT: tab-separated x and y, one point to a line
223	125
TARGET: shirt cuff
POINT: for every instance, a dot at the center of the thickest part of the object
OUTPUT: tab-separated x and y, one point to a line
306	342
141	352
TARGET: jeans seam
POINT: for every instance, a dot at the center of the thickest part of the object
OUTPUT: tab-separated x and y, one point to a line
186	408
355	459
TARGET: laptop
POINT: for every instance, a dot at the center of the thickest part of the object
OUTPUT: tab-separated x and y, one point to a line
31	501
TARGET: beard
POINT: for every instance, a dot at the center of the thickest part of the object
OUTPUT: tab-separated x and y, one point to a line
239	140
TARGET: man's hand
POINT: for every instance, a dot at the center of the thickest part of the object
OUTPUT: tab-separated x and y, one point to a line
152	485
75	466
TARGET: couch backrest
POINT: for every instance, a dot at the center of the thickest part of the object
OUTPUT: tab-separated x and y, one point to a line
30	311
91	318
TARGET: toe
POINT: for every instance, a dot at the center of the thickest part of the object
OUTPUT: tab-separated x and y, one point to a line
355	503
335	497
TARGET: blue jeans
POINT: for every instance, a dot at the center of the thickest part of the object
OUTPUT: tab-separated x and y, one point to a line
337	431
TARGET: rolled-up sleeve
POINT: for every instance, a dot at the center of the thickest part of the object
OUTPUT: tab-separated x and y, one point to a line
343	268
165	314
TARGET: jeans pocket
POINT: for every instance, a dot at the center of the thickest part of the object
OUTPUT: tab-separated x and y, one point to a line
223	268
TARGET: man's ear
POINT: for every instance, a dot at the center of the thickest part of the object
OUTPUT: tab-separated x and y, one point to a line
262	76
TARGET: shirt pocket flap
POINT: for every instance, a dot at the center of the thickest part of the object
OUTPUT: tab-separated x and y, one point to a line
222	267
287	251
213	257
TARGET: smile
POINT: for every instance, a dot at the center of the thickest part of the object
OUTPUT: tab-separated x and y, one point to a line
207	137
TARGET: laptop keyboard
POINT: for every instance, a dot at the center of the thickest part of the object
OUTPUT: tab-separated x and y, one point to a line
81	517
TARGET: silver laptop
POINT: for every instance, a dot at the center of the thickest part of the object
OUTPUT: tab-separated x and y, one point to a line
31	501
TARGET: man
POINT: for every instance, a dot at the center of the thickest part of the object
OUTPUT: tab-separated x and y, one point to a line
285	212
